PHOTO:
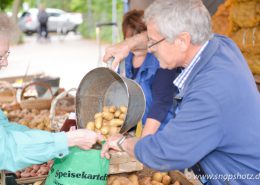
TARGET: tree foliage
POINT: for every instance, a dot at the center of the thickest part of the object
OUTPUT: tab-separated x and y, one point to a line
93	11
4	4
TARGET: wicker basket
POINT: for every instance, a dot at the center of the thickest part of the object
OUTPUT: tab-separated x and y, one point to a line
58	120
7	93
36	103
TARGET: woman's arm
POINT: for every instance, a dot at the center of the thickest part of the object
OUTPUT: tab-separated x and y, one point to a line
161	109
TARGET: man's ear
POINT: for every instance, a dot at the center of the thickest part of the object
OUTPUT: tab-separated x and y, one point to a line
184	41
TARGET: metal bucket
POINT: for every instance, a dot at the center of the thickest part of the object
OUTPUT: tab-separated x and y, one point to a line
103	87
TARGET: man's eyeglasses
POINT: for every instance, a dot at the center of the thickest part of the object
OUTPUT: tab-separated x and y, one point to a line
153	44
5	56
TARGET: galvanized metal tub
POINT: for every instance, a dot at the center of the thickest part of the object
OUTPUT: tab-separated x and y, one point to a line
103	87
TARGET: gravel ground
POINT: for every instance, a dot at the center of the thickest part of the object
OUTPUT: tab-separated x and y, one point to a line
69	58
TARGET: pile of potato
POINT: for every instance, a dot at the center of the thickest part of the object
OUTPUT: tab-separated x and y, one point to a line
36	170
109	121
122	180
35	119
158	178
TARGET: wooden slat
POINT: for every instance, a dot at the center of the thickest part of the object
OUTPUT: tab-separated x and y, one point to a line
30	179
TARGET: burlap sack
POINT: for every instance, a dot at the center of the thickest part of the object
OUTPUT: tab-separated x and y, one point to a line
248	40
253	62
245	14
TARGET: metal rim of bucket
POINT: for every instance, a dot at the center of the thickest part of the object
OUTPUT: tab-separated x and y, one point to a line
90	73
127	83
128	101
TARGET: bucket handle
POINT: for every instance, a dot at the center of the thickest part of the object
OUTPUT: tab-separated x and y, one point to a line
120	67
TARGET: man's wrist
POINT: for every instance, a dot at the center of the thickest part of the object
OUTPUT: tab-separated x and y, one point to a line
120	143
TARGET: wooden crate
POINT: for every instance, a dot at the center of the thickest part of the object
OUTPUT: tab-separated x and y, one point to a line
30	180
121	162
2	178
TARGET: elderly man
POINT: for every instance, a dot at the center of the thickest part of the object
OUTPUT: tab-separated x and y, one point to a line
217	120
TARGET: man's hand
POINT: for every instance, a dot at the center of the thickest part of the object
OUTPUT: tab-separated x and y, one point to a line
121	50
111	143
83	138
118	52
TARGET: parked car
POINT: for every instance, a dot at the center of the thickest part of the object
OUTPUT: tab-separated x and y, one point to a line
59	21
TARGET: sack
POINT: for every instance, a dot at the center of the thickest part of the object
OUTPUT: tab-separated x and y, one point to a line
245	14
248	40
80	167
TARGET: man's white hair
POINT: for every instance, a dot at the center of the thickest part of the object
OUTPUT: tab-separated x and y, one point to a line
175	16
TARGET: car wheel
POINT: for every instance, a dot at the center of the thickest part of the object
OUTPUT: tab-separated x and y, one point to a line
29	33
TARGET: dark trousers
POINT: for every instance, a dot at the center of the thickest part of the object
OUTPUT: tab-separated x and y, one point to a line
43	31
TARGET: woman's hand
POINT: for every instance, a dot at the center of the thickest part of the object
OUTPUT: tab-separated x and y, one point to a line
83	138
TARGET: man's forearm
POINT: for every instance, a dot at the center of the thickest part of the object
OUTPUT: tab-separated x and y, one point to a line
129	145
151	127
138	42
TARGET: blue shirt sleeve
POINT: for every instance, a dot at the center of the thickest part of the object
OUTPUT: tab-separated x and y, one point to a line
21	147
162	93
178	145
10	125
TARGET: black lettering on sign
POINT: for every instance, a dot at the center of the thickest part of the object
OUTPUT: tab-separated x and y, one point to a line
82	175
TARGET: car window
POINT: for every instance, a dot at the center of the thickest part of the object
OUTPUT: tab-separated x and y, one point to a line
54	14
25	14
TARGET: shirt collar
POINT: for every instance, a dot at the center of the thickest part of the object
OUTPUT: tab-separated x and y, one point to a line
183	76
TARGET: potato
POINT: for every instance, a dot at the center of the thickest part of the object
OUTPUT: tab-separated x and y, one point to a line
90	126
122	116
134	179
116	182
117	114
98	122
121	181
40	126
146	181
25	174
32	124
113	130
164	173
105	109
177	183
111	178
98	115
36	167
108	116
33	174
116	122
156	183
112	109
157	176
97	131
166	180
18	174
105	123
104	130
123	109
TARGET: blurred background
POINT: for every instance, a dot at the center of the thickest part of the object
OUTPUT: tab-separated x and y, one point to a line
79	31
